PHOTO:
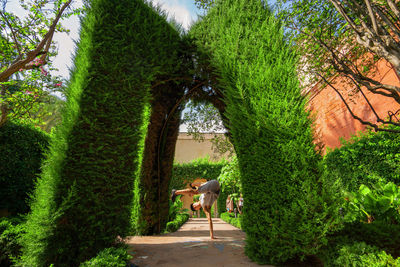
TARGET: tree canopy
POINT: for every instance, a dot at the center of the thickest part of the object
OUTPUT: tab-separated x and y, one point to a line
347	38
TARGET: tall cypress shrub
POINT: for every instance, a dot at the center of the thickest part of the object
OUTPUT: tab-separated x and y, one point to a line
22	148
84	198
284	212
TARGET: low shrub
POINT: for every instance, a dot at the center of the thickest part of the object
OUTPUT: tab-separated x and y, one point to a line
378	233
174	225
10	231
22	149
177	215
109	257
365	159
379	203
360	254
230	218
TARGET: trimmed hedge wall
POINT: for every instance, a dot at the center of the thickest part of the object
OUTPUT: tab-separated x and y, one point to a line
22	148
11	230
230	218
285	214
109	257
204	168
85	195
179	220
365	159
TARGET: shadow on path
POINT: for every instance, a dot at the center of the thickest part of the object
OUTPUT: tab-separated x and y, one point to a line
191	246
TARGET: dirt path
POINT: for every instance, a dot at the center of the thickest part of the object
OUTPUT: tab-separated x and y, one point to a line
191	246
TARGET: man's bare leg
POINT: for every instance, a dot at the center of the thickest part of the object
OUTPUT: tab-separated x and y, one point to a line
186	192
207	211
196	184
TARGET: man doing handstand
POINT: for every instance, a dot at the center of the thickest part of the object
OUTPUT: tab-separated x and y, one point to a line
209	193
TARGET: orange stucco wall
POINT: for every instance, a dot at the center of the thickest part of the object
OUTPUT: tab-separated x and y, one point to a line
332	119
188	149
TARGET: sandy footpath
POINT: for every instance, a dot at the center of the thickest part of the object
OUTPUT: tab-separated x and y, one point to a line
191	246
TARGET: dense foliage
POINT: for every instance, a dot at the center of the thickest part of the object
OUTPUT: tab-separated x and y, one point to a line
358	254
84	197
230	182
109	257
284	213
11	230
179	220
204	168
365	171
26	42
365	159
22	148
230	218
342	41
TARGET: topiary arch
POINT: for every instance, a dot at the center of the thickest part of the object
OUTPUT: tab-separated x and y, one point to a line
109	165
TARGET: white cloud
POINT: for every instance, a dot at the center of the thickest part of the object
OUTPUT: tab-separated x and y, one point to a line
178	11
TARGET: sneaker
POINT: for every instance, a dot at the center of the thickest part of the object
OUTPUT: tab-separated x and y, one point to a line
173	195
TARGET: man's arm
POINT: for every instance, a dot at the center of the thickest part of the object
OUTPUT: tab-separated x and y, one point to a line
207	211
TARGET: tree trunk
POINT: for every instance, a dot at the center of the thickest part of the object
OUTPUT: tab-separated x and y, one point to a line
157	162
3	107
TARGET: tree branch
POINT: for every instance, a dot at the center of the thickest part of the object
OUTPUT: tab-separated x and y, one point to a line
31	55
340	9
373	125
372	17
394	8
13	34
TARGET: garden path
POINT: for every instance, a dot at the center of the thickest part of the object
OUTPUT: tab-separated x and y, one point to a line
191	246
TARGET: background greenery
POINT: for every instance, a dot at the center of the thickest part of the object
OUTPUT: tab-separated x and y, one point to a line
22	148
203	168
367	158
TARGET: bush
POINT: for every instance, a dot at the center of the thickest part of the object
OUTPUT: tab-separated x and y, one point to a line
230	218
11	230
22	149
285	210
109	257
184	173
179	220
379	203
378	233
230	182
84	197
359	254
365	159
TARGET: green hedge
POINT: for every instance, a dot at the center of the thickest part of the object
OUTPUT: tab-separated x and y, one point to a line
359	254
84	197
22	149
230	182
285	211
11	230
109	257
204	168
230	218
365	159
174	225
